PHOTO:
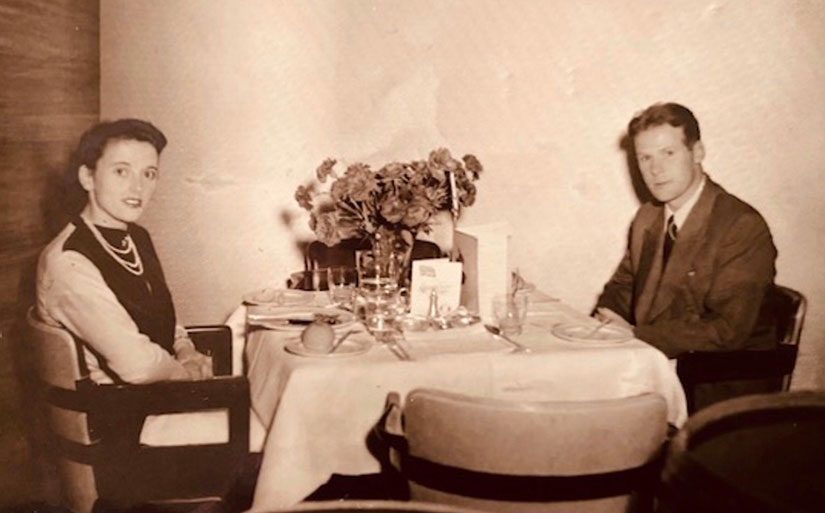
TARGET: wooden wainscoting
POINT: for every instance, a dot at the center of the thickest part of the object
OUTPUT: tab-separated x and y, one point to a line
49	94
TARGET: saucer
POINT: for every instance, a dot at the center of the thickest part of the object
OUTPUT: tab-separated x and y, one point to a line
278	297
582	333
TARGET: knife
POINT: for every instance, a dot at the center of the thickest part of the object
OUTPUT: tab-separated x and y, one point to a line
340	341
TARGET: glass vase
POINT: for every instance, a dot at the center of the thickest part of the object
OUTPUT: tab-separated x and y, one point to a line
383	275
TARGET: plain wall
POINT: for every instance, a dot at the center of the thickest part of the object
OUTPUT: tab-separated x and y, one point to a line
254	95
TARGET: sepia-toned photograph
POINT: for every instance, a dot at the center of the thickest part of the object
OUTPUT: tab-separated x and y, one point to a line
436	256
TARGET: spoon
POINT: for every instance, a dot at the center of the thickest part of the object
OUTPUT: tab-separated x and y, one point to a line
340	341
518	348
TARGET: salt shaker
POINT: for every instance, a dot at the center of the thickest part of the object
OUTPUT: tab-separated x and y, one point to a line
433	315
432	310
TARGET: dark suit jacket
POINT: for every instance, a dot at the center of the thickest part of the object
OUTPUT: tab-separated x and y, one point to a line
709	296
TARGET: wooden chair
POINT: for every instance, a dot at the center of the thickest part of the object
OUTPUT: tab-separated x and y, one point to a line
734	373
760	454
95	429
319	255
497	455
374	506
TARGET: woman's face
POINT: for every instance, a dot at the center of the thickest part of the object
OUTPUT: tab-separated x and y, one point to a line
122	183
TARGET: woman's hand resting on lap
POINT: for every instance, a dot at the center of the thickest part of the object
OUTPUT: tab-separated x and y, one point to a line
197	365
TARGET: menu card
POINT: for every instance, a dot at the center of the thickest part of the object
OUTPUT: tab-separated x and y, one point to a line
439	275
483	251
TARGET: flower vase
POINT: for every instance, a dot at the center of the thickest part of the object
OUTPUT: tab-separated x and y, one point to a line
383	275
392	251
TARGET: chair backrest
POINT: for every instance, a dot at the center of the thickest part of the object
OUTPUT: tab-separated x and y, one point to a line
55	358
374	506
319	255
760	453
713	376
97	428
789	306
55	353
503	455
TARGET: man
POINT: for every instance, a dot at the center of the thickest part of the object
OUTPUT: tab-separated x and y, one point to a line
700	261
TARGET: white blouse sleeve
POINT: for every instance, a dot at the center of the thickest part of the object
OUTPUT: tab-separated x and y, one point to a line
75	294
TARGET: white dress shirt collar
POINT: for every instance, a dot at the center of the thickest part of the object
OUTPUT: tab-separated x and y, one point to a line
680	215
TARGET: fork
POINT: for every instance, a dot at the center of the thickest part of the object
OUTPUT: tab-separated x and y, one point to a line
602	324
389	340
396	344
517	347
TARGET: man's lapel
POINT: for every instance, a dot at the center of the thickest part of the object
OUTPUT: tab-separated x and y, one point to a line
688	244
650	268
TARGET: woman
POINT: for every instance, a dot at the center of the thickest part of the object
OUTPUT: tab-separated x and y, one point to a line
101	279
102	266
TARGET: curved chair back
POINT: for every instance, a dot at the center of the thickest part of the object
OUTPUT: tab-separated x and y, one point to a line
55	353
319	255
374	506
96	428
712	376
790	307
502	455
55	359
760	453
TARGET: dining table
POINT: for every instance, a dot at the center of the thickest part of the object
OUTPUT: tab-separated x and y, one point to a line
320	409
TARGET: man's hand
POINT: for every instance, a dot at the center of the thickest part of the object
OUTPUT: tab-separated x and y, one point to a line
606	314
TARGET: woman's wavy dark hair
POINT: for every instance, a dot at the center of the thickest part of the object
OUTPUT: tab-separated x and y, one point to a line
90	149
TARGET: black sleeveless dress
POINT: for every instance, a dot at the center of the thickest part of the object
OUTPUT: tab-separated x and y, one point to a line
146	297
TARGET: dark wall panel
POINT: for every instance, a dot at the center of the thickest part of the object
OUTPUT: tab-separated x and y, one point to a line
49	94
49	57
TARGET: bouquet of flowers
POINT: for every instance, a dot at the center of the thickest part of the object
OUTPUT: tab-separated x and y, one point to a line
400	198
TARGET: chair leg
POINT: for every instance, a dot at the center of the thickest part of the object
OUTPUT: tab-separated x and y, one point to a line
237	499
379	486
242	490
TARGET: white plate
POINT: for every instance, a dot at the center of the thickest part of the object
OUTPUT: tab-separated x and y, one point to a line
278	297
349	347
297	318
582	333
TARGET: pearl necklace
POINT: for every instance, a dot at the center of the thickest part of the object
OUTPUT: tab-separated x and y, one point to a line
118	254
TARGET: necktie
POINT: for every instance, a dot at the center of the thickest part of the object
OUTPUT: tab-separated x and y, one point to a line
670	239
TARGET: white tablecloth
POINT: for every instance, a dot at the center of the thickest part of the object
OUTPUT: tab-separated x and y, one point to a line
319	411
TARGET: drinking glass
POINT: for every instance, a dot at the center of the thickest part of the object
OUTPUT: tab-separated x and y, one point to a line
510	311
341	283
382	308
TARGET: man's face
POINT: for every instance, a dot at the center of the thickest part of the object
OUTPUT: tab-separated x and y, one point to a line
122	182
671	170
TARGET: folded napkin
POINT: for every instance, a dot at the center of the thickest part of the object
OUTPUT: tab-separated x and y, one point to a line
472	339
